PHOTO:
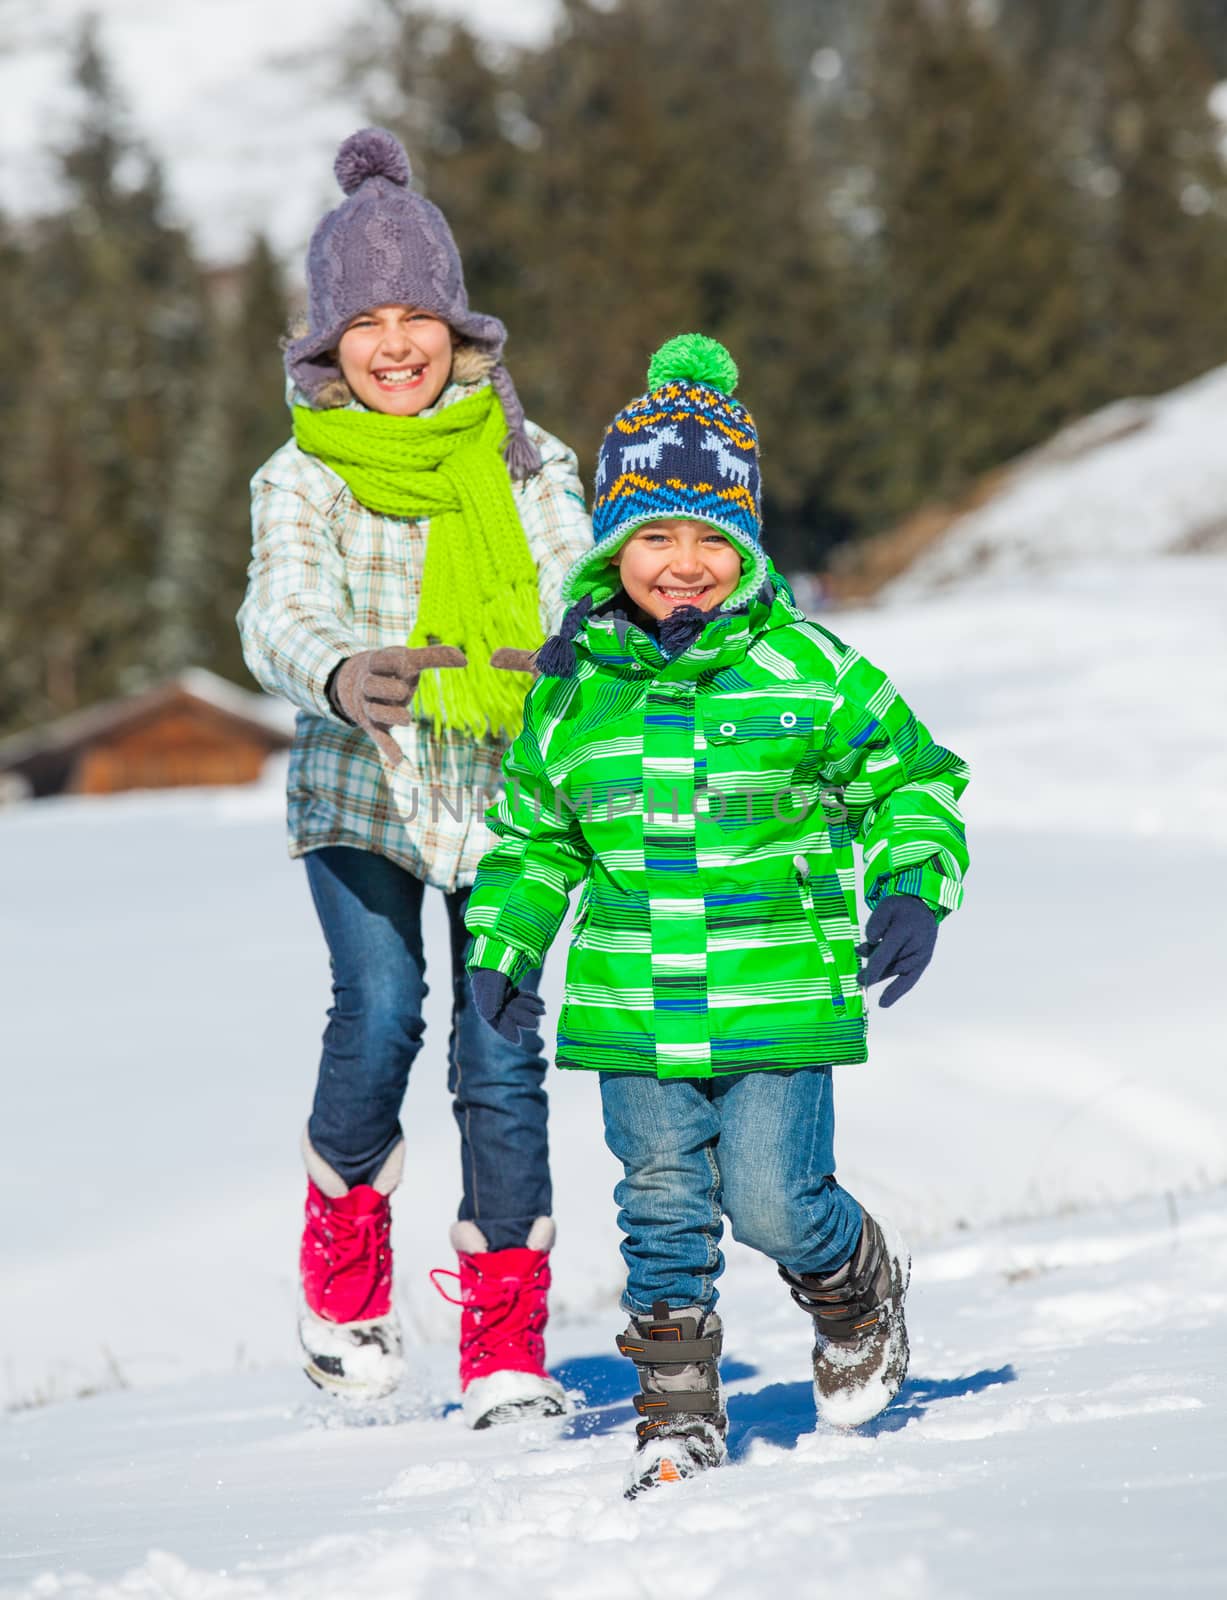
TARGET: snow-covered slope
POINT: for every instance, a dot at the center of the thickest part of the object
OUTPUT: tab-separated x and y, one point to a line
1060	1436
242	100
1139	479
164	986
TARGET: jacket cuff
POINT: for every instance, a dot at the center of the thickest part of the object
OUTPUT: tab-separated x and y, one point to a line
305	682
330	694
505	958
942	895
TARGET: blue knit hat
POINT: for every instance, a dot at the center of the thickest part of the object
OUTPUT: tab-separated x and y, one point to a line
686	448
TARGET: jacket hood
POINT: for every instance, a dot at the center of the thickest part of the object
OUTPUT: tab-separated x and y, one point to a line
614	643
591	621
595	576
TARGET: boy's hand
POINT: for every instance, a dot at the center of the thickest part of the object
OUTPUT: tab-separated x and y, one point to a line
902	933
506	1008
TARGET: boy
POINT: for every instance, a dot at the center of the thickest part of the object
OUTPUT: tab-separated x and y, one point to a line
700	757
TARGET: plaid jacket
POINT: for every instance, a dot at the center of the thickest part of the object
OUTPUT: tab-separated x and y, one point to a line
709	806
329	577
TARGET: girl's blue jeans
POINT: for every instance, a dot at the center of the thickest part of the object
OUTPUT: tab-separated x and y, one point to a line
757	1147
371	913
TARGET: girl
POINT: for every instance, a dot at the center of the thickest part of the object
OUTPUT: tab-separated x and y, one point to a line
701	758
409	546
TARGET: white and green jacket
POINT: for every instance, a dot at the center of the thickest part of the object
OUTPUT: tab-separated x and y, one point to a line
709	806
330	577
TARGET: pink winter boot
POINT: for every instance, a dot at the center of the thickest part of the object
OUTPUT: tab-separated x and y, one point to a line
503	1294
349	1333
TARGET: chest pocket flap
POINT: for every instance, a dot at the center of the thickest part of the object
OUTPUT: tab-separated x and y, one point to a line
739	721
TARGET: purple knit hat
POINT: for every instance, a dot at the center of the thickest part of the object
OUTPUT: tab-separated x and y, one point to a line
386	245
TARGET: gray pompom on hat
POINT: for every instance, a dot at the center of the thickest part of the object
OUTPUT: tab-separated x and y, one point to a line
387	245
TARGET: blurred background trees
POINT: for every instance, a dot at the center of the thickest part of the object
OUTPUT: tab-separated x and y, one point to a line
931	231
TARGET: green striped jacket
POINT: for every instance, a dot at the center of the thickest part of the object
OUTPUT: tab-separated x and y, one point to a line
709	805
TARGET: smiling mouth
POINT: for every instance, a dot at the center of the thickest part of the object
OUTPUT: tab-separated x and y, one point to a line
683	594
399	377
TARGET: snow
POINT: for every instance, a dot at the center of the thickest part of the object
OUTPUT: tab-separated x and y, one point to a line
1140	478
1045	1118
1053	1439
244	103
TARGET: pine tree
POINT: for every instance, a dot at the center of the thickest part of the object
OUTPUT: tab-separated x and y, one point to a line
1161	219
109	367
259	423
23	529
241	419
974	317
674	160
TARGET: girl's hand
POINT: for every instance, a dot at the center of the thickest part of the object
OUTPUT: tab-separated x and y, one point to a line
373	688
510	660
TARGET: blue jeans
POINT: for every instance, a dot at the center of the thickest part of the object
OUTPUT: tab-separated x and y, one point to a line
757	1147
371	913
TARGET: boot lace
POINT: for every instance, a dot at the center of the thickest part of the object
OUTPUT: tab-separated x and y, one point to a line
355	1246
500	1314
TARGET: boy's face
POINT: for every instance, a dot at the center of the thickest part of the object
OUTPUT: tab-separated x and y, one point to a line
674	563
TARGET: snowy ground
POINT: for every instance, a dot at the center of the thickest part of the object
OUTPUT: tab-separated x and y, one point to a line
1061	1434
1062	1063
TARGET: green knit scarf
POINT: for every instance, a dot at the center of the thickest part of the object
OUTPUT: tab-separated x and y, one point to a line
479	586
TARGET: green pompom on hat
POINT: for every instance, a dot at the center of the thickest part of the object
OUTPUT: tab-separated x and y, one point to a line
695	358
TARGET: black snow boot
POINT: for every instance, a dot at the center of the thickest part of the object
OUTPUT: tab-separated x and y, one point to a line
683	1423
860	1343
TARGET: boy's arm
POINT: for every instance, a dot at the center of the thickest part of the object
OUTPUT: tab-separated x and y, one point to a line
520	895
900	789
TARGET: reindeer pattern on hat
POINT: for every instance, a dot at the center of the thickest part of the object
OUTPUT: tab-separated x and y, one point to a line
728	464
646	452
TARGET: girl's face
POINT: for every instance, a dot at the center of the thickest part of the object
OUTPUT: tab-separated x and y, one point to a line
678	562
396	359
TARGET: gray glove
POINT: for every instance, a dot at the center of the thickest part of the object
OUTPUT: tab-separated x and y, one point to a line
506	1008
902	934
511	660
373	688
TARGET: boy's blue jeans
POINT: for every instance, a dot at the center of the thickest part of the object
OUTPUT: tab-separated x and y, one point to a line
757	1147
371	913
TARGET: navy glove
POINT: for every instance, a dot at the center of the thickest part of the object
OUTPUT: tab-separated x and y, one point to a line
506	1008
902	933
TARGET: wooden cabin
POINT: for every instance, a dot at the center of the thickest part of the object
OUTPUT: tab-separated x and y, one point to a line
195	729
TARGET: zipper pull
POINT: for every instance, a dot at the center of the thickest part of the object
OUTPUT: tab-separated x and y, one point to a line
802	866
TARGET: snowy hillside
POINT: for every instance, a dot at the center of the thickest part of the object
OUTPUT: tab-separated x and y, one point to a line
241	99
1141	478
165	983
